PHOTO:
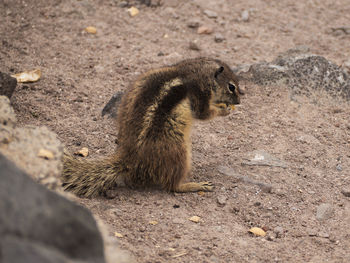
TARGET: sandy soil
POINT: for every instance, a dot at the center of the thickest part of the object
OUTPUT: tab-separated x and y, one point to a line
81	71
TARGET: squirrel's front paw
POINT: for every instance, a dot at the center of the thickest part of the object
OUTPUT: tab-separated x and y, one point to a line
224	112
223	109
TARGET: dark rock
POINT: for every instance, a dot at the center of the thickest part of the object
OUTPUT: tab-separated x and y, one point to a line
339	31
346	192
37	225
153	3
219	38
193	24
194	46
7	85
279	231
302	72
123	4
111	108
265	74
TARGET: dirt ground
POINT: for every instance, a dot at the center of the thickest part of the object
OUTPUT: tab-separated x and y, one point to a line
81	71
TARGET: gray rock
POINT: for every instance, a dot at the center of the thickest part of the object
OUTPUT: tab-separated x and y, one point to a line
123	4
311	232
279	231
219	38
245	16
7	115
323	234
339	31
339	167
262	158
7	120
324	212
194	46
221	200
193	24
22	145
111	108
37	225
7	85
302	72
23	149
346	192
210	14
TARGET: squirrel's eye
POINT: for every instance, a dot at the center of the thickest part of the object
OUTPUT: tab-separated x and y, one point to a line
231	88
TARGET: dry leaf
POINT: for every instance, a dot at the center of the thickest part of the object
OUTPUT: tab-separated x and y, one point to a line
153	223
28	76
195	219
116	234
46	154
82	152
257	231
91	30
201	193
133	11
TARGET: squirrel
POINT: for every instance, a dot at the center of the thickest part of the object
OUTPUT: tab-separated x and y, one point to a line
154	122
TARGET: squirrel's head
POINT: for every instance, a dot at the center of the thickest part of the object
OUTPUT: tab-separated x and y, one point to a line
225	89
214	76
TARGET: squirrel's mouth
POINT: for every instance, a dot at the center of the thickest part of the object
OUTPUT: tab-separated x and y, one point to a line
224	105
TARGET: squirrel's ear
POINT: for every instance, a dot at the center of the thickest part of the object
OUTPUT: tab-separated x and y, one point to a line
218	71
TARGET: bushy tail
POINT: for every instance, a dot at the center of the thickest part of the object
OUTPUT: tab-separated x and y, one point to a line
90	178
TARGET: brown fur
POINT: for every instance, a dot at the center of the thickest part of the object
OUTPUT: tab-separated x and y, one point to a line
154	123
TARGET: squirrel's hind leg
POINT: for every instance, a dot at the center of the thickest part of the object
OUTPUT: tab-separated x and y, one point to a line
194	187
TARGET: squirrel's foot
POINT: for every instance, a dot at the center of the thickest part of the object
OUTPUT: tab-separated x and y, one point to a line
194	187
207	186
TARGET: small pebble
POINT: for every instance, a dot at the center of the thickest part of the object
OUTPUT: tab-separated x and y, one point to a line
311	232
346	192
193	24
339	167
123	4
278	231
221	200
324	212
245	16
219	38
194	46
204	30
210	14
323	234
